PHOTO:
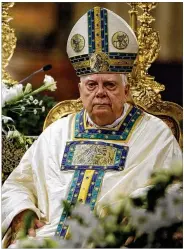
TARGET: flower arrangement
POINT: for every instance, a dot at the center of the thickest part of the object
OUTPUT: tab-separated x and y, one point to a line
20	100
152	218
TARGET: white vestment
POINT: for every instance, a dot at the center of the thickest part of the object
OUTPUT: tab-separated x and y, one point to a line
39	184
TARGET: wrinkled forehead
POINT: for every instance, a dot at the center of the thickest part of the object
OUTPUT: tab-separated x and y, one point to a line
102	77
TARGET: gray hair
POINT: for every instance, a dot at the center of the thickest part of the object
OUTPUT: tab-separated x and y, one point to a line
123	77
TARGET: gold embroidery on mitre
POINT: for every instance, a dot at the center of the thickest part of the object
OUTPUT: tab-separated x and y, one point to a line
77	42
108	61
121	62
99	62
81	64
120	40
98	38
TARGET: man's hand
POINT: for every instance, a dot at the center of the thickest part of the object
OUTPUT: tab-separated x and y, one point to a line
20	228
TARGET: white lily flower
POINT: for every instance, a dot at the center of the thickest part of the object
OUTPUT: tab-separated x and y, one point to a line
86	214
50	83
172	203
168	211
4	91
79	233
12	93
5	119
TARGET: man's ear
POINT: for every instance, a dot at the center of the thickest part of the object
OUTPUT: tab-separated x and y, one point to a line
127	90
128	95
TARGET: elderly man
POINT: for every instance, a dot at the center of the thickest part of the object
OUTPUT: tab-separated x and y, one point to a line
107	149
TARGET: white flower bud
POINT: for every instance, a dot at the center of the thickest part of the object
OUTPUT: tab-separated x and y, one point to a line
43	108
23	108
35	111
50	83
28	88
35	102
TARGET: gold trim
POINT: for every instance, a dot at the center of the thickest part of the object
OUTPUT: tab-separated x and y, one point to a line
121	62
134	127
170	109
112	62
8	42
97	22
144	89
85	185
62	109
81	64
67	235
133	16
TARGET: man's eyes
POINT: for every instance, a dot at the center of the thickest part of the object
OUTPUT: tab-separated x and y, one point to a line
92	85
110	85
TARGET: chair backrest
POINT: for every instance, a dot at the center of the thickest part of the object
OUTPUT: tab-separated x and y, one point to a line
145	91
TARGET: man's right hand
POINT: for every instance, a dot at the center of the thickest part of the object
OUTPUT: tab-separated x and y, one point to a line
18	226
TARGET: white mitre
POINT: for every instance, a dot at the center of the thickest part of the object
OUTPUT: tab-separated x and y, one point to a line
102	42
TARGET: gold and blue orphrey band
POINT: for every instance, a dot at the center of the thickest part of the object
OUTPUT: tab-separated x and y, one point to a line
97	30
90	160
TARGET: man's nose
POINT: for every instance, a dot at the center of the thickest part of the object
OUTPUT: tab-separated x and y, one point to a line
101	91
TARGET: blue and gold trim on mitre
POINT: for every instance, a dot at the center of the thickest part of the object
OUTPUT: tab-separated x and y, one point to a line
121	132
102	42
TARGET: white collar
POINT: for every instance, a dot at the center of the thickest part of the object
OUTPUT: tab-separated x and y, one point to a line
114	124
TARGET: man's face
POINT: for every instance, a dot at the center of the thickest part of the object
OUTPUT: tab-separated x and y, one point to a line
103	96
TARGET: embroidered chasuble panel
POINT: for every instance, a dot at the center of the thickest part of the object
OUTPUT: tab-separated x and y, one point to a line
86	155
90	159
